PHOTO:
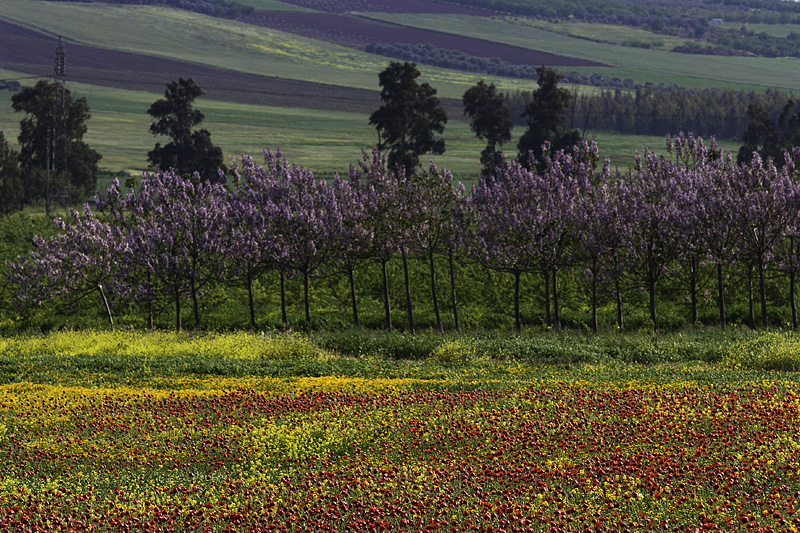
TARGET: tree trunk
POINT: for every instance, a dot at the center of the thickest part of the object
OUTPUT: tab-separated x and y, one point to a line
618	294
353	300
721	297
195	306
105	305
651	288
251	303
693	290
547	316
178	323
750	296
556	310
409	308
763	292
283	301
594	301
792	301
517	317
433	293
305	299
150	317
453	292
387	310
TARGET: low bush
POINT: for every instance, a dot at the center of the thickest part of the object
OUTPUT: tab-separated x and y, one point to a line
778	350
239	345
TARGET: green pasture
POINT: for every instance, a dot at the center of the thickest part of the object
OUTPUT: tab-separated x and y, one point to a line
324	141
774	30
627	62
608	33
118	357
183	35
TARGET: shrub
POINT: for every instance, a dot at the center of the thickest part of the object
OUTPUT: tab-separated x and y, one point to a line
779	350
454	351
241	345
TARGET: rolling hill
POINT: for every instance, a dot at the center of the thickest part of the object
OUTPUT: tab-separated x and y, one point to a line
294	74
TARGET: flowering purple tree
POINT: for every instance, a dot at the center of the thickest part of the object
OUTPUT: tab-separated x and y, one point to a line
355	239
250	241
307	221
787	248
649	210
174	227
380	196
712	213
554	215
695	172
401	192
454	243
499	229
764	202
79	260
431	205
597	237
521	222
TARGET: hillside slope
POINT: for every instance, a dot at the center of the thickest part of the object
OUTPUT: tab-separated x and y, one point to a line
31	52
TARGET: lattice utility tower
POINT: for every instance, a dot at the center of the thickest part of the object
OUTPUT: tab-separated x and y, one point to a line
58	137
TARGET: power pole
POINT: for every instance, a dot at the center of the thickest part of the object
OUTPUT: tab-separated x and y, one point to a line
57	142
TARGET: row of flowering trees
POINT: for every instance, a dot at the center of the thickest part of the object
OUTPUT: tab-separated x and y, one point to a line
686	215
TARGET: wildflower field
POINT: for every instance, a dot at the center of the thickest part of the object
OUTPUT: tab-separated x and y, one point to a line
241	432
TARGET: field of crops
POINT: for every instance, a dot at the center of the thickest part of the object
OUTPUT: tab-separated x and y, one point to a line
358	32
268	88
219	43
640	64
100	432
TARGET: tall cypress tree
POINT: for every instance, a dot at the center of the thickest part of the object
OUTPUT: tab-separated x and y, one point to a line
546	114
190	150
409	117
34	138
491	120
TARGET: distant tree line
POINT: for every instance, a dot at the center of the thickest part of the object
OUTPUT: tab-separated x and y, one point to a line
674	17
690	20
658	110
215	8
761	44
430	54
10	85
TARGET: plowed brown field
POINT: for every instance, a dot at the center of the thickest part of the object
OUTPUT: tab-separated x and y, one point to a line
355	32
384	6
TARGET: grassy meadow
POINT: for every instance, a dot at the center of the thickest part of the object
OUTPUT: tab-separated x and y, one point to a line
129	431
